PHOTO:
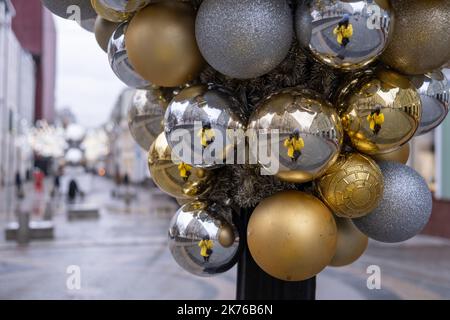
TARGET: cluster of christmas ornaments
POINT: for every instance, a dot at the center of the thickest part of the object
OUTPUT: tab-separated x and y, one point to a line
351	146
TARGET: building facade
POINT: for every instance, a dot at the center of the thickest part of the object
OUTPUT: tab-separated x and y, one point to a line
35	29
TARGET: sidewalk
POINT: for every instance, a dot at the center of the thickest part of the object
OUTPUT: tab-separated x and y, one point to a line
124	255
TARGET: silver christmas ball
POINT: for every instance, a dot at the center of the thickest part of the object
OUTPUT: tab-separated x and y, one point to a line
203	240
145	116
78	10
244	38
404	209
118	59
197	123
125	5
435	96
344	34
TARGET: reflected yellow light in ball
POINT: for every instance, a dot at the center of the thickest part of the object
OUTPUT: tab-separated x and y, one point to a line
292	235
380	112
185	183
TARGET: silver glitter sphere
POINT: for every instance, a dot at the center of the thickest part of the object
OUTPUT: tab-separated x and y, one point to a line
118	59
244	38
404	209
71	9
203	240
198	123
145	116
344	34
435	96
125	5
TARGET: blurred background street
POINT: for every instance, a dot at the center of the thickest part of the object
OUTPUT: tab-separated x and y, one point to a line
124	255
75	188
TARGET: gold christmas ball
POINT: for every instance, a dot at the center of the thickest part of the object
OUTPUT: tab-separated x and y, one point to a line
103	30
161	44
177	179
303	132
400	155
421	38
292	235
352	187
108	13
226	236
351	243
380	112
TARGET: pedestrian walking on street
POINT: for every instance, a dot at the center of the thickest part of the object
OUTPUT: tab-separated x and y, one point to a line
73	191
206	245
18	182
38	180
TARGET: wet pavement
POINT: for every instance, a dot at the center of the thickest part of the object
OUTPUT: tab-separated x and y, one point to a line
124	255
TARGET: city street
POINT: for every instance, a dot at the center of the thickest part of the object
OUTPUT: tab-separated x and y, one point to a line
123	255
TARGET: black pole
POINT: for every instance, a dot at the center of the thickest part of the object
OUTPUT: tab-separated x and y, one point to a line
254	284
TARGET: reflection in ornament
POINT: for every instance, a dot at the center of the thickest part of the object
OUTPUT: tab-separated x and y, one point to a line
301	130
380	112
118	59
435	96
195	238
179	180
344	34
125	5
108	13
200	122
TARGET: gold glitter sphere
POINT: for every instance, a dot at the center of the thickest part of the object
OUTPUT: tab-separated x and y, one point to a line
380	112
178	180
421	38
352	187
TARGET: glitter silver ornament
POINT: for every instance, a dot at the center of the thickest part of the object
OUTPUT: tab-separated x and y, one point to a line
244	38
145	116
118	60
344	34
404	209
71	9
198	123
435	96
203	240
125	5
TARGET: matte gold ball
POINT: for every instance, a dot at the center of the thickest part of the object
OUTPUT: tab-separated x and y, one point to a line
400	155
226	236
292	235
161	44
178	180
103	30
381	112
421	37
352	187
351	243
108	13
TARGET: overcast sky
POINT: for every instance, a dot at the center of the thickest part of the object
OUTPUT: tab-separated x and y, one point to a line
84	81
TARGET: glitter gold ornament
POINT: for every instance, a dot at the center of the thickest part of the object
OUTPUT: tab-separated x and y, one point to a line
303	132
380	112
292	235
400	155
179	180
351	243
108	13
352	187
103	30
161	44
421	37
